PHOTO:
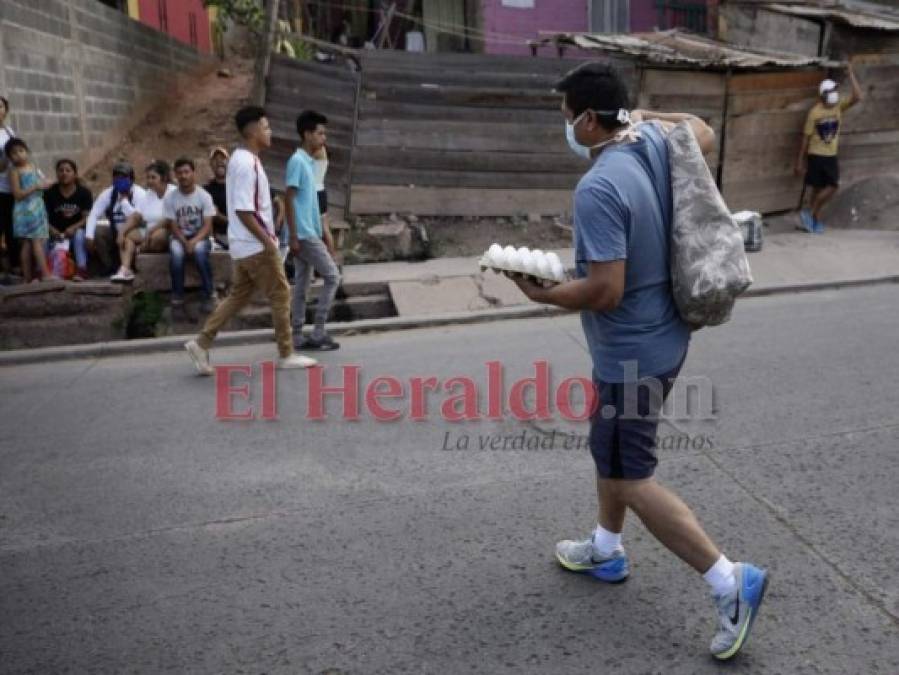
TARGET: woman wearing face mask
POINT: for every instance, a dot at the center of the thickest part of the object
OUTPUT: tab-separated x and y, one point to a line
7	202
114	204
144	228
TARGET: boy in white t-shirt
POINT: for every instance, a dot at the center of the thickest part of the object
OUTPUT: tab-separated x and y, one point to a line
253	246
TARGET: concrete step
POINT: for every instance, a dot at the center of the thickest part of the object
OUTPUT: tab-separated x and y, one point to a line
349	309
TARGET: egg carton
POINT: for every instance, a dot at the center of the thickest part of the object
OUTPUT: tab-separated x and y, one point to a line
544	267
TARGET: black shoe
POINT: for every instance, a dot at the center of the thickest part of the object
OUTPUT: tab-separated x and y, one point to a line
325	344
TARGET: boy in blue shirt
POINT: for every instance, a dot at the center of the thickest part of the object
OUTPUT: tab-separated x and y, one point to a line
309	239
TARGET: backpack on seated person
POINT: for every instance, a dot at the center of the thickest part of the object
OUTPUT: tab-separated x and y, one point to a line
709	268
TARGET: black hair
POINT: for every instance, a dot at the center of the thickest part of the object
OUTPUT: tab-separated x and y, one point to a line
597	87
14	143
248	115
161	168
185	161
5	102
308	120
70	162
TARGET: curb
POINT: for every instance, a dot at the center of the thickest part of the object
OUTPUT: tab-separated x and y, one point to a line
266	335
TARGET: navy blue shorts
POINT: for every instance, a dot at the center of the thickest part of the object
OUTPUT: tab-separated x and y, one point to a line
623	428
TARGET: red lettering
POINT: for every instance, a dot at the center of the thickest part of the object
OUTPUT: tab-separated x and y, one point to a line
563	399
317	392
224	392
468	399
419	396
269	392
540	384
394	390
494	390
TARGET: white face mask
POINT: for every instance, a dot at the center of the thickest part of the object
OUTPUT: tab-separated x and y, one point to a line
833	98
576	148
586	152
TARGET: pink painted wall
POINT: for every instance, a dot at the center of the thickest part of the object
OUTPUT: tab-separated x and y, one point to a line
177	15
644	16
523	24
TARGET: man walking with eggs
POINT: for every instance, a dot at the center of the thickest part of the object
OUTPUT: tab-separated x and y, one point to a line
637	339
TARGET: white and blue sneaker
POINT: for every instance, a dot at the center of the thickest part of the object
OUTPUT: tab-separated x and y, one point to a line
807	220
578	556
737	610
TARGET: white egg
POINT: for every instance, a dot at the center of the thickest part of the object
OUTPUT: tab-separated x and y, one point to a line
553	258
513	261
494	250
508	252
522	250
530	265
537	251
543	269
558	272
497	257
526	258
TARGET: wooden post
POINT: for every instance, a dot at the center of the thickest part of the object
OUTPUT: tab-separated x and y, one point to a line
360	73
264	57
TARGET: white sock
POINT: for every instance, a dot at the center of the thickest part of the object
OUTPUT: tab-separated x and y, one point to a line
605	543
720	577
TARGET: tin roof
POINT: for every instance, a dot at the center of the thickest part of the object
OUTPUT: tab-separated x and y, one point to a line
855	15
677	48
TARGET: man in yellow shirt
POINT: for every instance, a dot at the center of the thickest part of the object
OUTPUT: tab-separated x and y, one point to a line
818	154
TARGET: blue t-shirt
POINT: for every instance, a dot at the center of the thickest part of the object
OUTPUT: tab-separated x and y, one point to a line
623	211
301	175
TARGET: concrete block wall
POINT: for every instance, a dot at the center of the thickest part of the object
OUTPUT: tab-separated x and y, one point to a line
74	70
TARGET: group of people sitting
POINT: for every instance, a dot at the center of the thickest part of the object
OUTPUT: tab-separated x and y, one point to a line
159	217
125	218
57	229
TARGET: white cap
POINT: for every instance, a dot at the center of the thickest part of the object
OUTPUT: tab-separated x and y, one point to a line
826	86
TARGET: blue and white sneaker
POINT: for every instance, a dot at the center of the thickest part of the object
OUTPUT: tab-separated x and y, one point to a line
577	556
819	226
808	222
737	610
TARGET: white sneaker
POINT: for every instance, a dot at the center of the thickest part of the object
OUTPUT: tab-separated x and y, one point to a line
122	276
200	357
295	361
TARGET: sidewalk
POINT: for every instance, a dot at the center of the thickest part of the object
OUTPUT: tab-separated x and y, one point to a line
788	262
449	291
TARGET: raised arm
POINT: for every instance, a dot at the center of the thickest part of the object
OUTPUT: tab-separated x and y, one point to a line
857	94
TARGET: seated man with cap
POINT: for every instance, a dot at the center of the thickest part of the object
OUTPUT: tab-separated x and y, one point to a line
218	162
818	154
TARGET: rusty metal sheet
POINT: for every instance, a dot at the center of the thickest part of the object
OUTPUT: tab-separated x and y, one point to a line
851	16
677	48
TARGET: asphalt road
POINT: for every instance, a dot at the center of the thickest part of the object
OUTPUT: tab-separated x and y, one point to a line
138	533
